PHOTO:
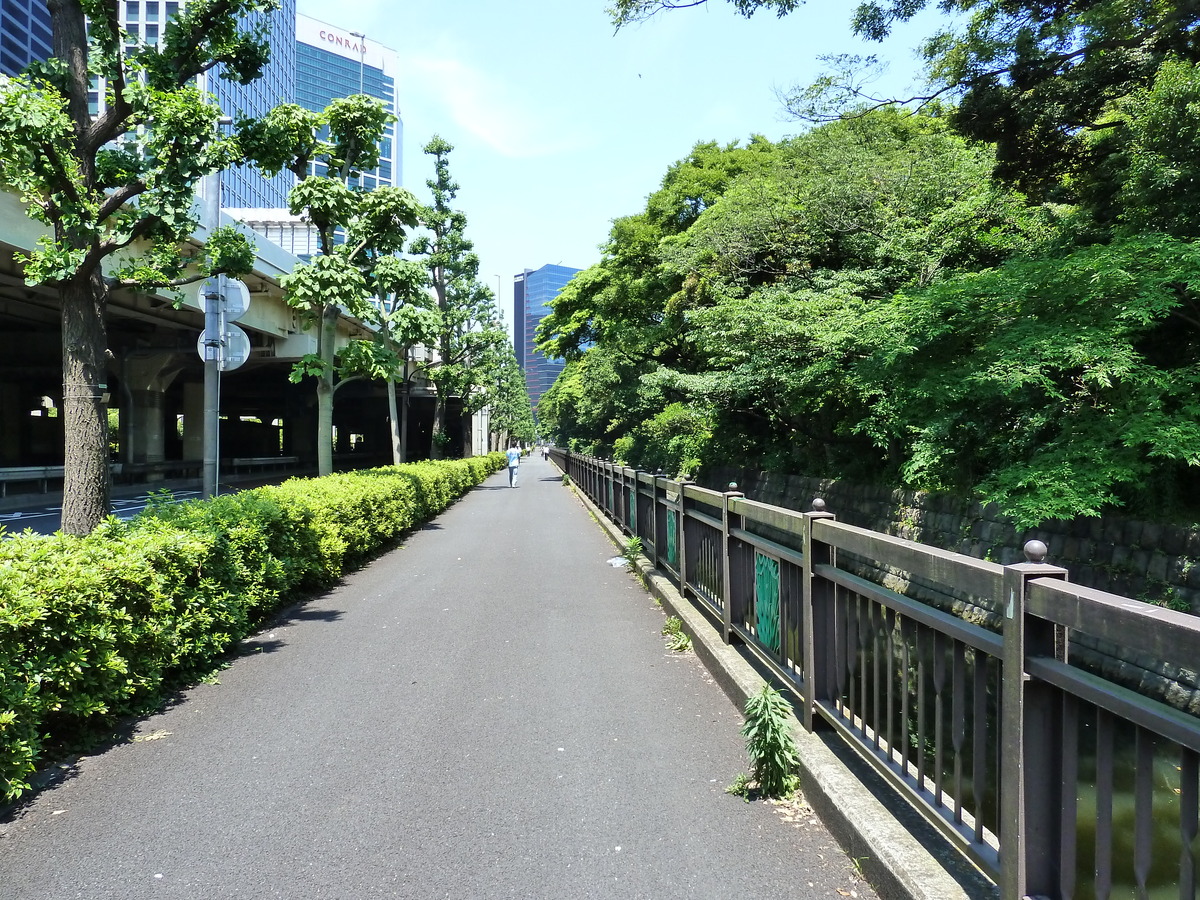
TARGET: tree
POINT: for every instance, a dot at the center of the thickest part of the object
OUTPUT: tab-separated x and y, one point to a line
1034	78
404	317
115	189
511	413
346	273
469	321
1038	80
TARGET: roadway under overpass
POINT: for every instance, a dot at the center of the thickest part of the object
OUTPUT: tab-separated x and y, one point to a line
156	377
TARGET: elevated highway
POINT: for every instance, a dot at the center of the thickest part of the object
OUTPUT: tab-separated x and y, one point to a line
155	378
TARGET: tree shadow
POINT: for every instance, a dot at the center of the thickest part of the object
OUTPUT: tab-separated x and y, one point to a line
319	615
252	647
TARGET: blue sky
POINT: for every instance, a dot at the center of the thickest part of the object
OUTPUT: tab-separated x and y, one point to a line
560	126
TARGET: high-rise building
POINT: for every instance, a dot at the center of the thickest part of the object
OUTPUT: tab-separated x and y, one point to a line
246	186
334	62
24	34
311	64
533	290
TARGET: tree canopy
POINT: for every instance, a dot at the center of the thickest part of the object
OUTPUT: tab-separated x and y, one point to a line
865	301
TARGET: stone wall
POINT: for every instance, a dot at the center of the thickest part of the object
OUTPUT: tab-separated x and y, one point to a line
1145	560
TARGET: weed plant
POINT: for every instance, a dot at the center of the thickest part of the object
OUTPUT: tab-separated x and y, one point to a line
633	550
678	640
769	744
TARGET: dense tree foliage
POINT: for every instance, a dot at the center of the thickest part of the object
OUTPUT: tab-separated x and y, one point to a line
867	301
508	400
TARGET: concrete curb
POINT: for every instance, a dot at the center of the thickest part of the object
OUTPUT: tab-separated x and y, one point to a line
900	854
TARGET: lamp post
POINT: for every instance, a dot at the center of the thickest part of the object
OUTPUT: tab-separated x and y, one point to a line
362	53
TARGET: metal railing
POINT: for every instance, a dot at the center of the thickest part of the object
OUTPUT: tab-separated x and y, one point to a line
1056	780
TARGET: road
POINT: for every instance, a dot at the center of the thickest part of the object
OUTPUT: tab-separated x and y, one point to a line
487	711
46	518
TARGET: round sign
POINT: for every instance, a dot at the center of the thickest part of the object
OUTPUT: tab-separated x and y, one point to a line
237	299
229	353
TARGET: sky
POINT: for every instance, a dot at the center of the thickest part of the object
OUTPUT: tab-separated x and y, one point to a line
559	125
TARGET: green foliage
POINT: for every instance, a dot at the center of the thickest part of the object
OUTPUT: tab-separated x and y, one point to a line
360	276
508	398
1036	78
741	786
103	196
470	337
91	628
1054	386
632	552
1160	189
769	743
678	640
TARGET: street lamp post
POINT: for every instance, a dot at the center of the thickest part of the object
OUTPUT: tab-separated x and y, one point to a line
362	53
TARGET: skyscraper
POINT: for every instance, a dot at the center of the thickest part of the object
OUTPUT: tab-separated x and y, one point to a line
245	186
533	290
24	34
336	62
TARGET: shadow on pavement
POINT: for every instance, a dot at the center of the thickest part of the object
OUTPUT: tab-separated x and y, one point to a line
318	615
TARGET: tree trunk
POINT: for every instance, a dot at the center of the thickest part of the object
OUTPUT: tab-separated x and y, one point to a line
404	423
467	435
85	413
328	335
394	421
439	425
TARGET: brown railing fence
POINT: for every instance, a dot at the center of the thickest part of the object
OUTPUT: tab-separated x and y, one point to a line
1056	780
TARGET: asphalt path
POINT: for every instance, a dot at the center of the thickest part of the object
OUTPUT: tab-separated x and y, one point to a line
487	711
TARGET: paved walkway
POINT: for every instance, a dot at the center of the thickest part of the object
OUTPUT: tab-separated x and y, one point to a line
488	711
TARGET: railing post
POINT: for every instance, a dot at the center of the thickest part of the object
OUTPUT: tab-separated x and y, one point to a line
635	503
1030	733
654	512
817	616
681	537
729	521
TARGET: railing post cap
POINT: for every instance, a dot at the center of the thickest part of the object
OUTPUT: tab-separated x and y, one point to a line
818	505
733	486
1035	551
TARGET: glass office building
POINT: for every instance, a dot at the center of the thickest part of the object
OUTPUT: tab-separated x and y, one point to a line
144	22
334	62
245	186
533	290
24	34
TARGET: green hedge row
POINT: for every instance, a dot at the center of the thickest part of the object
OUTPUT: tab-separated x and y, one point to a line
90	628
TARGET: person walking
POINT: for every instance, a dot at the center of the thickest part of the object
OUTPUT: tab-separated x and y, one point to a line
514	462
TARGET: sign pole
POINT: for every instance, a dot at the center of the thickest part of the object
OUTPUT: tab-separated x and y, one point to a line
212	386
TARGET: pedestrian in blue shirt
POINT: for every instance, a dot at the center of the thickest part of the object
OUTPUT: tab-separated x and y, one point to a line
514	462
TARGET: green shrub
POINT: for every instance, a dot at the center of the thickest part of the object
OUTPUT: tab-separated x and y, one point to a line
94	627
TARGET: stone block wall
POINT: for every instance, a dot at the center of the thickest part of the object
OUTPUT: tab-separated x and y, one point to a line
1145	560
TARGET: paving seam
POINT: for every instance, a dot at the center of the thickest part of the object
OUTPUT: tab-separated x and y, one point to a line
894	861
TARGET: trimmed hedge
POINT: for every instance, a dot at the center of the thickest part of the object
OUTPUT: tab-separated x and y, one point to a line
91	628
